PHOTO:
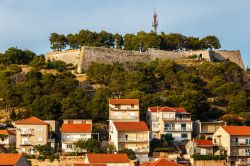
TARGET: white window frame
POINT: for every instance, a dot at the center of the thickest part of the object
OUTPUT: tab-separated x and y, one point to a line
40	129
40	139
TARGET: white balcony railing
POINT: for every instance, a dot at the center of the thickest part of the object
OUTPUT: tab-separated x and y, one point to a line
26	132
133	139
177	129
23	143
182	118
239	144
239	154
124	117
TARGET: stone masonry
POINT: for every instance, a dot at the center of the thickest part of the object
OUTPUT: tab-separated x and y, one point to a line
86	55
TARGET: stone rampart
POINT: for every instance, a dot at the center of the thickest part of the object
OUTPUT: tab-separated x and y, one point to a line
161	54
84	57
68	56
233	56
109	56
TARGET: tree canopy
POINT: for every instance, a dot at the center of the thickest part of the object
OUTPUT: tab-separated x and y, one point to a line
139	41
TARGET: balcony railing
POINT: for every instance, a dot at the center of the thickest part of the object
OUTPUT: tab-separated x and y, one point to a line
26	132
73	139
26	143
124	108
177	129
182	118
239	154
239	144
51	139
155	129
133	139
123	117
142	150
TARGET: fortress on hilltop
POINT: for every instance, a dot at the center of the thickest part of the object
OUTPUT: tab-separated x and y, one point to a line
82	58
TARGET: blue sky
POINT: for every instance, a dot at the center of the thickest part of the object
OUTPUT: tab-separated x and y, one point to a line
28	23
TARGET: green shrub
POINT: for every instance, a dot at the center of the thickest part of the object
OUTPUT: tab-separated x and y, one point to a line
209	157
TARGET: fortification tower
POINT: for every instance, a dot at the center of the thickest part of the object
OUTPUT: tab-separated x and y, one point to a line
155	22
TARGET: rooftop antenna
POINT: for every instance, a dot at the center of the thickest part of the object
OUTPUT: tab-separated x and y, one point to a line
155	22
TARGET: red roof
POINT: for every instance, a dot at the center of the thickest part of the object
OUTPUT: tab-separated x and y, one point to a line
161	162
168	109
31	121
131	126
124	101
237	130
7	132
76	128
10	159
107	158
204	143
90	165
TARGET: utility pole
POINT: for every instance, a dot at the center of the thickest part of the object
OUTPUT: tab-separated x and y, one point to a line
155	22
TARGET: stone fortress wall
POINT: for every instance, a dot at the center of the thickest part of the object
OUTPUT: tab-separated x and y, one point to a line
86	55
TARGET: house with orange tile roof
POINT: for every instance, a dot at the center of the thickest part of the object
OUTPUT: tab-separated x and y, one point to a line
200	147
15	159
32	131
107	159
7	138
72	132
130	135
161	162
124	110
174	121
235	140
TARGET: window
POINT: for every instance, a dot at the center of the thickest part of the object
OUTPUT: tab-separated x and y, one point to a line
184	136
248	141
69	146
247	151
118	106
70	121
40	129
132	106
183	126
117	113
39	139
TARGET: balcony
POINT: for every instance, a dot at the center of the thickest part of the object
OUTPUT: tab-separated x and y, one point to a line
123	117
182	118
25	143
124	109
155	129
51	139
141	150
177	129
239	154
26	132
73	139
239	144
132	139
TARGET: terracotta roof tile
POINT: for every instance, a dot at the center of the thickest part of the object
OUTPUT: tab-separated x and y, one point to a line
204	143
124	101
31	121
107	158
168	109
161	162
10	159
237	130
7	132
76	128
131	126
90	165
